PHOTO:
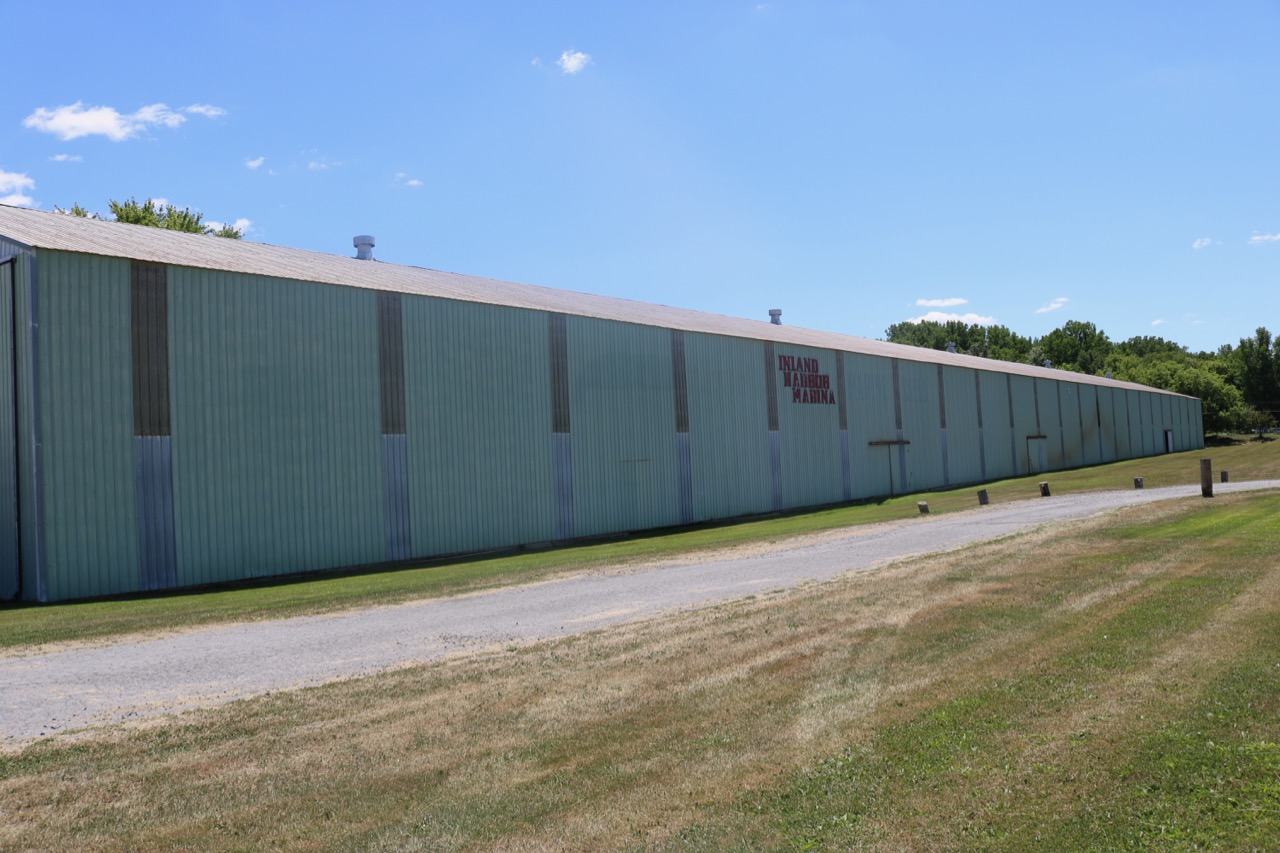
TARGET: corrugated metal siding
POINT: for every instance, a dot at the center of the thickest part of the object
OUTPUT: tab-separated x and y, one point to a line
997	432
965	452
624	426
1090	446
921	425
728	427
1072	424
1107	407
277	454
10	581
91	545
869	390
1050	422
478	389
809	432
1124	443
1025	421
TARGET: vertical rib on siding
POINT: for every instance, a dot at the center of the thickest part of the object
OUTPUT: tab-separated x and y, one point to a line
561	426
153	459
846	477
868	382
395	451
771	401
684	461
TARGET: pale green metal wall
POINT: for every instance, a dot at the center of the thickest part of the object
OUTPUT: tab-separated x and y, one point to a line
279	435
275	426
478	394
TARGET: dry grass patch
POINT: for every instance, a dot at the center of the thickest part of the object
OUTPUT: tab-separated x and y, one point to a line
956	701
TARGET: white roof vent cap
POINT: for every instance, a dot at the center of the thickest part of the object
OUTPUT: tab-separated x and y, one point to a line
364	246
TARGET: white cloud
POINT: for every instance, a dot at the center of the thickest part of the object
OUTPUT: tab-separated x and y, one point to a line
321	165
13	184
242	225
942	317
76	120
403	178
950	302
1053	306
206	110
1157	322
1202	243
1262	239
67	158
573	61
413	182
255	162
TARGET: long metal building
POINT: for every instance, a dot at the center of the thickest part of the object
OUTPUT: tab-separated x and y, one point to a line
182	410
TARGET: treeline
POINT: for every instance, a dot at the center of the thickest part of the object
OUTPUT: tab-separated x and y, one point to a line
1239	385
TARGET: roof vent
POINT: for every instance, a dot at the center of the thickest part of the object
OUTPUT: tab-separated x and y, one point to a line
951	347
364	246
775	316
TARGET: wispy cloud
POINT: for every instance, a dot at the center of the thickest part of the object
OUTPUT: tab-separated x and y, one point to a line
73	121
255	162
573	61
67	158
1157	322
1263	239
1053	306
320	165
1202	243
949	302
404	179
943	317
14	184
206	110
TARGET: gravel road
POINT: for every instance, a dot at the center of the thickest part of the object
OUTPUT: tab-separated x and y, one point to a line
44	692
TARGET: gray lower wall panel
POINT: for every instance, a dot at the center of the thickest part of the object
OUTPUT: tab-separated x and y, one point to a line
395	479
153	476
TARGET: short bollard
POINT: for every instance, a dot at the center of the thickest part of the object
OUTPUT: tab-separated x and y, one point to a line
1206	478
983	500
1137	482
1225	477
924	507
1044	490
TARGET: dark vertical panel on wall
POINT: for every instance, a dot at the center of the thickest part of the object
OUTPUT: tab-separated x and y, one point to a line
684	461
1062	435
150	313
152	443
942	423
897	425
395	448
391	363
846	474
775	442
561	446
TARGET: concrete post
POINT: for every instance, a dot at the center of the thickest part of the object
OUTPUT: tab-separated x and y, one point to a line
923	506
1206	477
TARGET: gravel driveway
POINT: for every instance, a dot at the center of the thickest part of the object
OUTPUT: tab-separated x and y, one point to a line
43	693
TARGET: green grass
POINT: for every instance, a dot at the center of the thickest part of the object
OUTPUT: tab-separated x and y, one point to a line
23	624
1110	685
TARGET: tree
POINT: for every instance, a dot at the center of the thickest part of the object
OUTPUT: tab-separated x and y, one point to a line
165	216
1077	346
1257	371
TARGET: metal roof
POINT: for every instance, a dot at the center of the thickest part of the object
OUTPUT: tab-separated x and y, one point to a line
39	229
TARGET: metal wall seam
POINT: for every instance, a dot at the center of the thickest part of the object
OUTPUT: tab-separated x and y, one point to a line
942	430
982	432
846	473
684	459
395	452
775	442
153	456
561	440
899	433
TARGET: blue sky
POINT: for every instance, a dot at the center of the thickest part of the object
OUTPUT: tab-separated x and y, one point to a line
854	164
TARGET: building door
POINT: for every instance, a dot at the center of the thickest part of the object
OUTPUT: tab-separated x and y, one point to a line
1168	441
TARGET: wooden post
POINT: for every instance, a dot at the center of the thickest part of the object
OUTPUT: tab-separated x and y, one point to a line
1137	482
1044	489
923	506
1206	477
983	500
1226	478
